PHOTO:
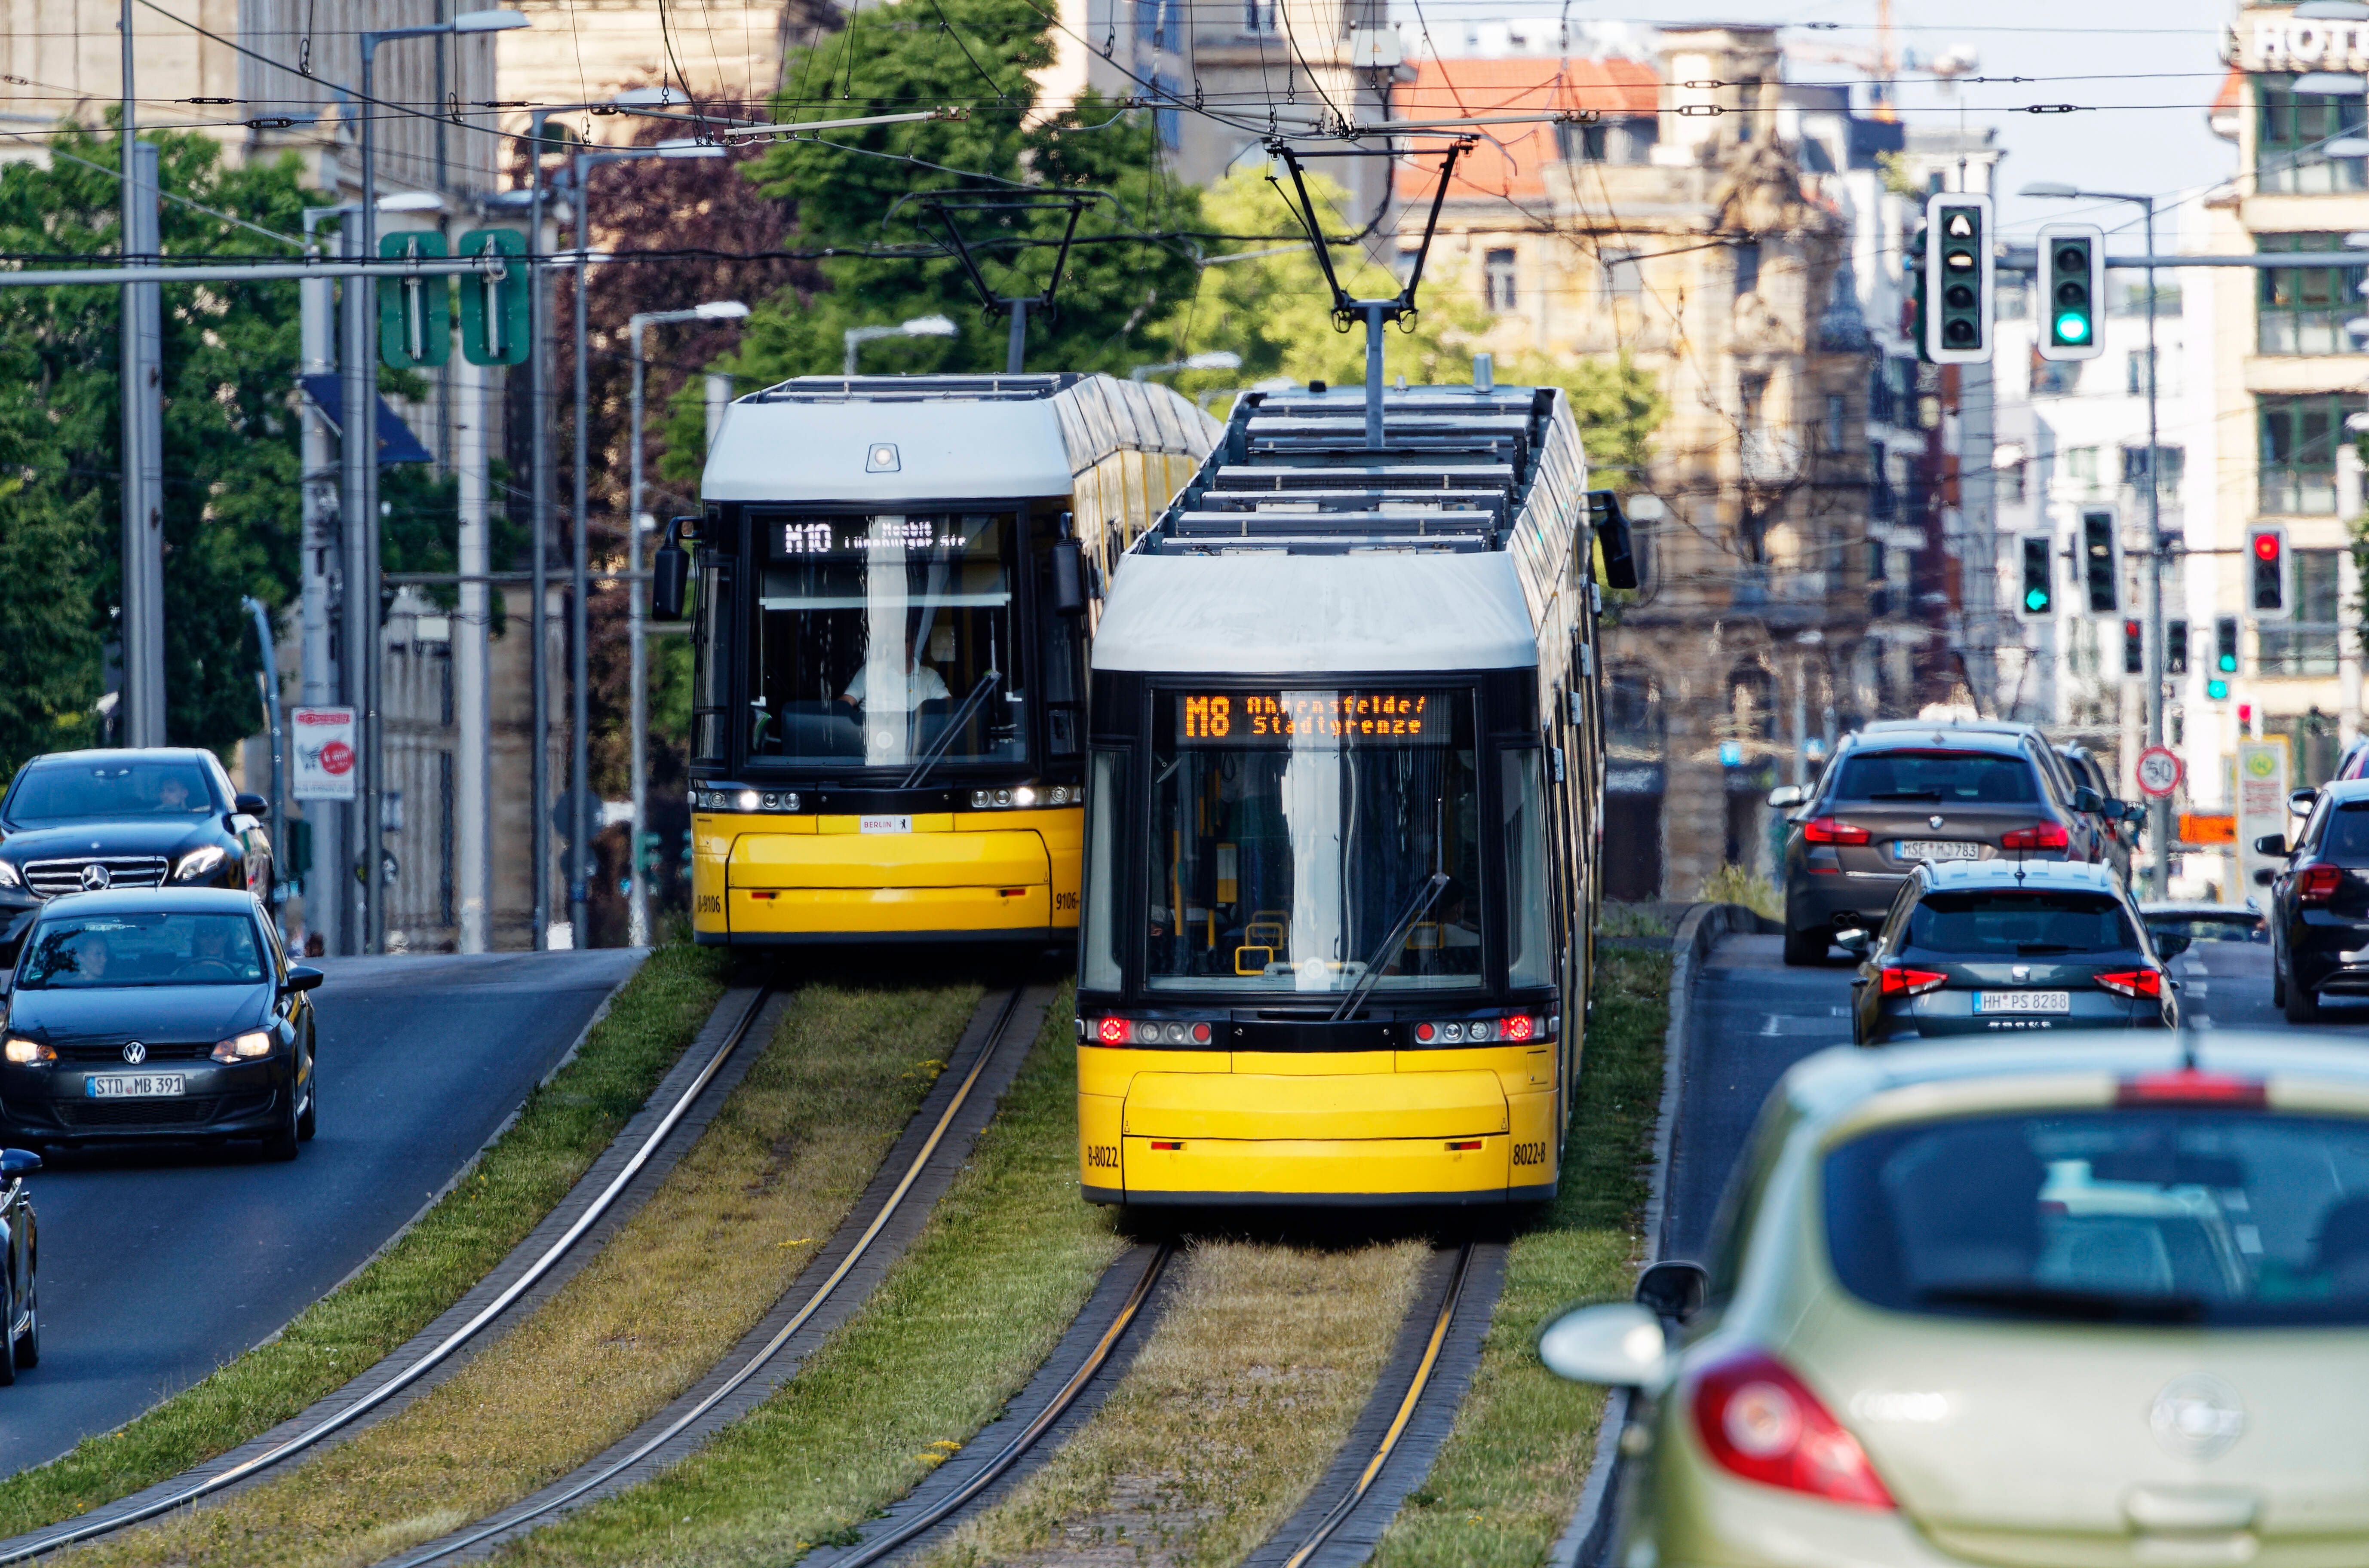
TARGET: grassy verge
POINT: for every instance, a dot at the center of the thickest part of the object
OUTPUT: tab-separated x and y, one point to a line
715	1247
1006	1261
1511	1469
561	1130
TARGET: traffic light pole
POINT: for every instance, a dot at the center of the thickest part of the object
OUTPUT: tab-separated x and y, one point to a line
2159	809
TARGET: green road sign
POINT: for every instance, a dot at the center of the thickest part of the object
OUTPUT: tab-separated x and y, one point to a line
493	310
415	312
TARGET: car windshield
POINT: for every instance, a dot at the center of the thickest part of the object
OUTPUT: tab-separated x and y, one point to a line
2207	1214
885	640
2019	921
85	791
160	949
1292	830
1949	778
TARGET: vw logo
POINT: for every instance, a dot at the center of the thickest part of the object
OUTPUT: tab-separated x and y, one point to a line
95	878
135	1053
2198	1417
1934	821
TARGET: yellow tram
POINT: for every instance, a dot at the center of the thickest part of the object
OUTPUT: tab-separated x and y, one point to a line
1343	808
895	580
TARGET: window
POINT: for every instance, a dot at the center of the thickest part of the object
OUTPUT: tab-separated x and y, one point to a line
2081	466
2171	463
1529	937
1752	390
1747	103
1098	967
2302	309
1609	141
2010	480
711	671
1258	15
1747	267
1943	778
1592	143
2134	376
2291	131
2305	645
1497	280
85	791
1624	279
1837	408
2054	378
142	949
2299	438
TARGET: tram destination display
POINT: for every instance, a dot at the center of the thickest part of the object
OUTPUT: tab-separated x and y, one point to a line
1283	717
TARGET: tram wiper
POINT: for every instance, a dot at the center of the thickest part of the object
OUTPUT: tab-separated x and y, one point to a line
953	727
1425	896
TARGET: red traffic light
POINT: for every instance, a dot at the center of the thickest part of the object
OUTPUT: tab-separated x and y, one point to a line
2266	547
2130	628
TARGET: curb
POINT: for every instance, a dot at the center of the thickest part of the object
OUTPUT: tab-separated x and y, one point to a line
1584	1539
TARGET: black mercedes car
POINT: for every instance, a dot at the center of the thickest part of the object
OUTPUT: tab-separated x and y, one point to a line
85	822
20	1297
155	1014
1994	947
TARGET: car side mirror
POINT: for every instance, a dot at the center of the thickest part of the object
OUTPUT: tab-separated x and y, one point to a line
2168	946
19	1162
2134	812
2088	799
1786	795
671	574
1675	1290
2269	843
304	977
1855	941
251	805
2265	878
1618	1342
2299	801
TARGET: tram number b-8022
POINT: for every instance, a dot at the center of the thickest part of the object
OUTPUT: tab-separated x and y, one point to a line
1102	1156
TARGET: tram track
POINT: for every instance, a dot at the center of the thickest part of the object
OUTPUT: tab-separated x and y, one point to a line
842	1278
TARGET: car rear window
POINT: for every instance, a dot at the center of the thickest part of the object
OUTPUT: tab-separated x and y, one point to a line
1959	778
2185	1216
2019	921
2347	834
2211	928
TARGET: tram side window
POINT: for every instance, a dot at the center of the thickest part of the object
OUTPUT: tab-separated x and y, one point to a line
1064	693
886	640
712	665
1291	831
1529	938
1098	911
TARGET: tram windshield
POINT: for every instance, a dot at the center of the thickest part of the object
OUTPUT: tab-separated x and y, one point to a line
1292	830
886	640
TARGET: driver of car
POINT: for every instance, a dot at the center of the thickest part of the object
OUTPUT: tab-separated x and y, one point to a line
90	956
172	794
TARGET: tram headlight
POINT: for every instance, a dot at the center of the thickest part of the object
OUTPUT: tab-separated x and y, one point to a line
1022	797
744	800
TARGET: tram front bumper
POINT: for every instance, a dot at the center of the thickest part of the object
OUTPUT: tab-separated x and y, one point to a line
929	881
1362	1138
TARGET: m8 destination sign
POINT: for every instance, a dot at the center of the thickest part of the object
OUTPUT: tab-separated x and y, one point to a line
1283	718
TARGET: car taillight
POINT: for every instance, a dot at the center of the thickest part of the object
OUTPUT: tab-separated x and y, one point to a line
2318	884
2134	982
1760	1422
2191	1087
1911	982
1826	830
2039	836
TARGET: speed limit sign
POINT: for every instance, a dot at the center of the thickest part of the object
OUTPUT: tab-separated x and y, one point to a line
2159	771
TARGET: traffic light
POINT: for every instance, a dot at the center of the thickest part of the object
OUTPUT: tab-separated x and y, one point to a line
1959	278
2101	561
2038	601
2072	282
2266	549
2133	649
494	310
415	310
2224	646
2175	648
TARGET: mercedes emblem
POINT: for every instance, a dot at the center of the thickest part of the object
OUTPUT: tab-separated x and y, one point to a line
135	1053
1933	821
2198	1417
95	878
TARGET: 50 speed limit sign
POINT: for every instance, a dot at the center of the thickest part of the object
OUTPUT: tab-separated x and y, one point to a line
2158	771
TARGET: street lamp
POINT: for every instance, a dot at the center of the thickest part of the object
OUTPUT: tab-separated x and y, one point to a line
637	894
359	503
2159	811
920	327
1216	360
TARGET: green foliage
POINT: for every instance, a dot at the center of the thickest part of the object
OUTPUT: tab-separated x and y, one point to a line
231	511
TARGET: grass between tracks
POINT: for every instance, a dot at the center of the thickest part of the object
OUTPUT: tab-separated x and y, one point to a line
1007	1259
1511	1472
715	1246
560	1130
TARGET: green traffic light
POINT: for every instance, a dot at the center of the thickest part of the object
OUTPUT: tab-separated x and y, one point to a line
2228	664
2073	328
2035	601
2216	690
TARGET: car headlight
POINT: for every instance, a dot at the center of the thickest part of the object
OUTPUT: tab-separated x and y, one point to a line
244	1047
203	861
25	1052
9	876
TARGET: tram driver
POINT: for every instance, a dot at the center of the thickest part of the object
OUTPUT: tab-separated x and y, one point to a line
922	683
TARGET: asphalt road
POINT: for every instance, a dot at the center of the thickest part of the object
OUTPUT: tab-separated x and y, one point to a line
157	1266
1753	1017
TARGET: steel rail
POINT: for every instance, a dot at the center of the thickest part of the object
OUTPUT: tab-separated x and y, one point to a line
756	1363
280	1453
1339	1513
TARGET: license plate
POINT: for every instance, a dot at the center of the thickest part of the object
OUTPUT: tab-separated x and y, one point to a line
2023	1001
883	824
135	1086
1936	848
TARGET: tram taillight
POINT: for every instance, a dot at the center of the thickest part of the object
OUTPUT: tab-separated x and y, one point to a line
1521	1026
1149	1031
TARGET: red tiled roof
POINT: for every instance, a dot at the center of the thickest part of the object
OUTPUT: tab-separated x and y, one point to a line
1513	163
2231	84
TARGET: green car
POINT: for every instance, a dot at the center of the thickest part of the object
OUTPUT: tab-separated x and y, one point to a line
2080	1303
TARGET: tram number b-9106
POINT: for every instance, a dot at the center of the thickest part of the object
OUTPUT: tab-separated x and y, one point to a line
1277	718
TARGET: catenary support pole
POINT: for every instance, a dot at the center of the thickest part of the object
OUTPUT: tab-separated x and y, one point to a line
323	881
472	716
1374	309
637	884
580	619
362	414
539	435
141	702
1015	345
2159	814
358	451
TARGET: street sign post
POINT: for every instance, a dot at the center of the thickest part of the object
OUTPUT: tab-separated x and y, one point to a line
2262	768
2158	771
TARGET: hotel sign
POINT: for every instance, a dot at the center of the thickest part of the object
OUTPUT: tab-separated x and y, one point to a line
2279	42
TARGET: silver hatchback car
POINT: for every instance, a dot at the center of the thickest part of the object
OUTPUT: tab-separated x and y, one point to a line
2080	1301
